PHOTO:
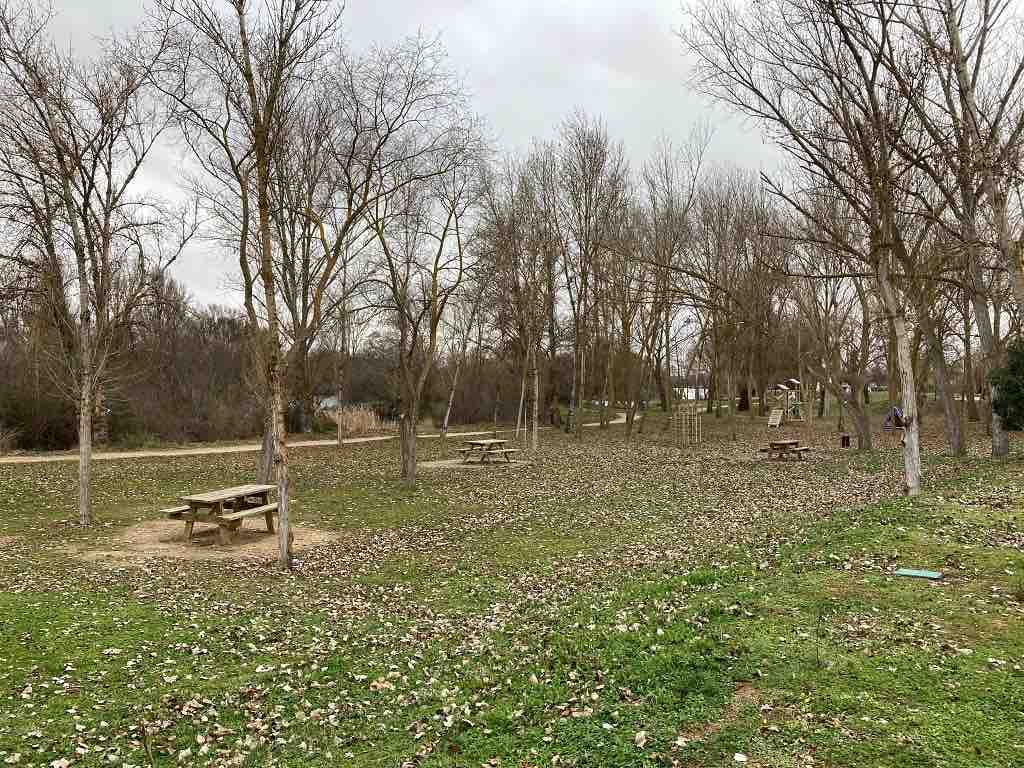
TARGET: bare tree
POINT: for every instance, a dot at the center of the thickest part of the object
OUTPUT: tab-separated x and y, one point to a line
460	325
517	251
592	189
233	76
423	248
74	136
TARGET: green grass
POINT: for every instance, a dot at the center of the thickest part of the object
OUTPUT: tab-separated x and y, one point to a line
617	604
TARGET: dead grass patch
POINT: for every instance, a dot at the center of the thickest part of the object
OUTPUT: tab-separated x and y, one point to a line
745	694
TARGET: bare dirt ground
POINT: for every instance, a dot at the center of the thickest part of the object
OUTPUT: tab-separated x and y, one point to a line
166	538
458	464
745	695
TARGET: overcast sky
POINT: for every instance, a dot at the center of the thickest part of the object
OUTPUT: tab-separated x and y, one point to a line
528	64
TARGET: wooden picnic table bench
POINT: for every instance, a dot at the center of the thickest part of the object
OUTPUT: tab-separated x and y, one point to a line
227	508
783	449
485	450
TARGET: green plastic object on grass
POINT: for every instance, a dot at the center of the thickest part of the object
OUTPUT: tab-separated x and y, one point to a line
914	573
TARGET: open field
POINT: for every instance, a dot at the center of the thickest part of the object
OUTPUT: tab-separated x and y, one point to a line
612	604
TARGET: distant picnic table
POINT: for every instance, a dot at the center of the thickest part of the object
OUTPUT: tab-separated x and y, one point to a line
784	449
227	508
485	450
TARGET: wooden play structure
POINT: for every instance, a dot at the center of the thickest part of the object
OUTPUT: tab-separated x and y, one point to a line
685	425
785	398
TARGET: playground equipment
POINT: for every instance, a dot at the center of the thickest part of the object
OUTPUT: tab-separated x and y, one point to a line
684	425
785	396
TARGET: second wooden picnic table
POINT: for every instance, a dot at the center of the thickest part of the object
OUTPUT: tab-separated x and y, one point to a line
485	450
782	449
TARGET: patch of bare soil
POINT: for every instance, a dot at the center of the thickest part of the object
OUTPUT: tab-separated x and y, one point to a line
745	694
458	464
166	538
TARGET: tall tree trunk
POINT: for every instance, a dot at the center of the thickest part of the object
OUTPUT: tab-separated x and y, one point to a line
861	423
951	418
281	464
451	396
669	396
575	395
751	411
581	388
341	374
989	345
892	368
84	450
659	379
520	415
407	445
535	415
265	468
101	421
608	390
969	385
307	400
274	357
908	389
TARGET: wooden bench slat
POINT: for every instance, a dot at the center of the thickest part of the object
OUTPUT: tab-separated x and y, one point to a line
174	512
251	512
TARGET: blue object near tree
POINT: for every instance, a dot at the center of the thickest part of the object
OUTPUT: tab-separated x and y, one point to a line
914	573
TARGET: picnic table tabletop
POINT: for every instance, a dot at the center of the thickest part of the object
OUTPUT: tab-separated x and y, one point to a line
227	494
784	443
488	441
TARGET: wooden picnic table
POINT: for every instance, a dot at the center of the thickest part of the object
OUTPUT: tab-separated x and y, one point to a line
783	449
227	508
485	450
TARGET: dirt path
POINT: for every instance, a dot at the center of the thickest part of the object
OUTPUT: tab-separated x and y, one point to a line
238	448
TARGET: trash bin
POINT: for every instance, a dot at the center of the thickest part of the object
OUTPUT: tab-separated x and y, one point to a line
844	440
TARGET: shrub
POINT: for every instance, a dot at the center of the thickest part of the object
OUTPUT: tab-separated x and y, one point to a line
359	420
1009	381
8	439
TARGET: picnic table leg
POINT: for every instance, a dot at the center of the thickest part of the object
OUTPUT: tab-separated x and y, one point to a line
223	534
189	524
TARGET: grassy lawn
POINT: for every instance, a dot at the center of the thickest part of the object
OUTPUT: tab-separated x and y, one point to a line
617	603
